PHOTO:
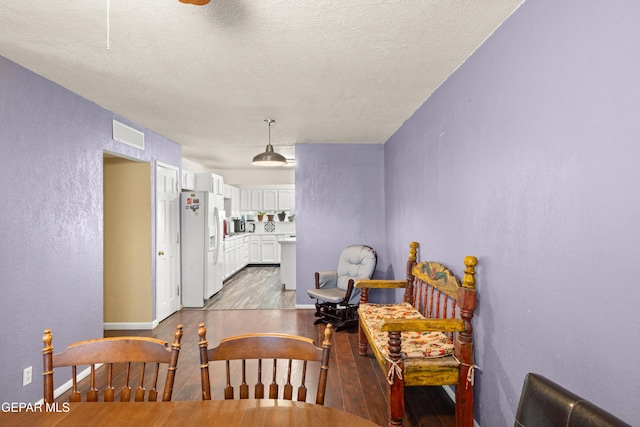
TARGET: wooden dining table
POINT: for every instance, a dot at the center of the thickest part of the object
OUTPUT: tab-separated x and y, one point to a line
263	412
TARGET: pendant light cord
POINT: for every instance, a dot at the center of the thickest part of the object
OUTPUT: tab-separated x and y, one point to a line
108	25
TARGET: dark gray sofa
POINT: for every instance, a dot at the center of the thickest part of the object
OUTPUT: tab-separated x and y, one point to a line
544	403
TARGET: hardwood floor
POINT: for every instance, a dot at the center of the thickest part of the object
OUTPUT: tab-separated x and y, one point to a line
355	384
253	288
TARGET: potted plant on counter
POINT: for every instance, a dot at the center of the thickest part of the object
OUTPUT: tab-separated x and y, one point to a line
260	215
270	216
281	216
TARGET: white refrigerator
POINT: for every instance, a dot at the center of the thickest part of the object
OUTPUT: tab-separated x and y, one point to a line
202	253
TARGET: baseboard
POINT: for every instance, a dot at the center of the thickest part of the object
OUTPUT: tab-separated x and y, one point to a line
66	386
452	396
305	306
111	326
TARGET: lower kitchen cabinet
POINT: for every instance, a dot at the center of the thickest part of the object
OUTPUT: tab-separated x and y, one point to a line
236	252
255	253
264	249
245	251
239	251
269	249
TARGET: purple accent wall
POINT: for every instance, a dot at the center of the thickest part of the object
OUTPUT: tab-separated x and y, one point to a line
339	202
52	143
527	157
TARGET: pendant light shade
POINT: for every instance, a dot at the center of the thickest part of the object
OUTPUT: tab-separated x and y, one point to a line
269	157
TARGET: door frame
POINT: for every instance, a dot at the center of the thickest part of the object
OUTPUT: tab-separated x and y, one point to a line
159	164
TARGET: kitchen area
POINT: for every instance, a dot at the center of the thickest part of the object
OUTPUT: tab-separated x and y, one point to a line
254	225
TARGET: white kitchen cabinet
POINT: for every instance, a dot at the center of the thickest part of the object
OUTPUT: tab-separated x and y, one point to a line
188	180
256	200
269	200
210	182
237	254
286	200
251	200
235	200
245	251
255	253
227	260
245	200
280	198
269	250
227	191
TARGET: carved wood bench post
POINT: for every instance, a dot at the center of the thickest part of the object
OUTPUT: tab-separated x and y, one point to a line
396	380
362	340
413	258
464	345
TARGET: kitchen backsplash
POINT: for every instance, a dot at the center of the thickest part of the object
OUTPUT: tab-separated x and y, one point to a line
279	227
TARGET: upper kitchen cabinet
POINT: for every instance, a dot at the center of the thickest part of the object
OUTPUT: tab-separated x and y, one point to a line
210	182
270	200
227	191
250	200
286	200
188	180
235	199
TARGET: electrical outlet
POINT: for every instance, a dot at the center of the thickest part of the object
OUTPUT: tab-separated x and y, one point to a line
26	376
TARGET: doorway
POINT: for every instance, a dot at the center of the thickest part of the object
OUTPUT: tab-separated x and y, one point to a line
127	243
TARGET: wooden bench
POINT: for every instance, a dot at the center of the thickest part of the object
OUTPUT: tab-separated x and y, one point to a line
426	340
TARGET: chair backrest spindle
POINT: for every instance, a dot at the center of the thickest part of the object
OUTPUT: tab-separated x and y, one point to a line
295	351
112	352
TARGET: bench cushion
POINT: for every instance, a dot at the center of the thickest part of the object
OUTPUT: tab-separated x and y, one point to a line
414	344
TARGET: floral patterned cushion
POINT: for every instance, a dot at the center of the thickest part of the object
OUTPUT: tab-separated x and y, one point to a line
414	344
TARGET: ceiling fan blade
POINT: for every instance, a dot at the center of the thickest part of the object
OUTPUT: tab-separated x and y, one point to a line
196	2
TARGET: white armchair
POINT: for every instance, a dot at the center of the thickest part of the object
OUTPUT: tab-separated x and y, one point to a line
336	298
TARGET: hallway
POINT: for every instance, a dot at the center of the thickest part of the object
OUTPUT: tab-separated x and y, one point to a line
253	288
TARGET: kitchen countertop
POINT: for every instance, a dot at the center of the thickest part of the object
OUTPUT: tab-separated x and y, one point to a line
241	235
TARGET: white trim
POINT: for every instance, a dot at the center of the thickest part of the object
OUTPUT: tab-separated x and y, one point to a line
305	307
168	166
111	326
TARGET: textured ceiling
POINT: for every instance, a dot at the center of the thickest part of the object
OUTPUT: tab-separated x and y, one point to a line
207	76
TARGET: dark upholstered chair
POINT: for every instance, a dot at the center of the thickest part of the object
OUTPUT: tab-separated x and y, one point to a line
336	298
544	403
287	353
124	358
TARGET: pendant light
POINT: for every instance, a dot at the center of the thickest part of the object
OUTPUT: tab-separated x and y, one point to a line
269	157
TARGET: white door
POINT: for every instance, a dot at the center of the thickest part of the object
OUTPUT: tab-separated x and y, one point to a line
167	242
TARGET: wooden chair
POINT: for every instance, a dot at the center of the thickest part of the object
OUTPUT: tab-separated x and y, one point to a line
133	352
427	339
289	353
336	298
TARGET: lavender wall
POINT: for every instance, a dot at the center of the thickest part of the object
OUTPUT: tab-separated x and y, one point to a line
52	144
339	202
527	157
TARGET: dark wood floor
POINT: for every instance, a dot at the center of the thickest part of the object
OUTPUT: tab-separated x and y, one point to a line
355	384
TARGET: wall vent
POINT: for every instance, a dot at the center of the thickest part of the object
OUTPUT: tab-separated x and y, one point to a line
128	135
